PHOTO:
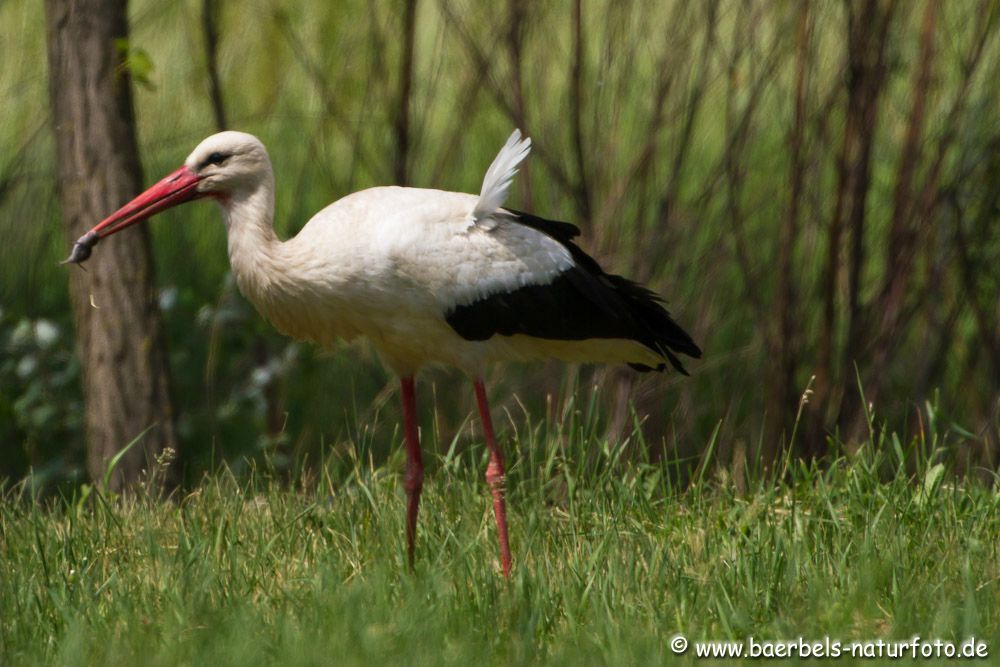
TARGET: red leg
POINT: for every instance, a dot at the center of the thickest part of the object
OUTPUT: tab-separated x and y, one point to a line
495	477
413	481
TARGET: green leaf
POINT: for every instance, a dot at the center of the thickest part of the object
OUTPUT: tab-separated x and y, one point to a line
136	62
118	457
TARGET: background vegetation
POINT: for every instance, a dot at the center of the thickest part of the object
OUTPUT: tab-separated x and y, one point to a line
811	186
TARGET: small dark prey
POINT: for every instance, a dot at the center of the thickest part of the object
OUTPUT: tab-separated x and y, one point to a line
82	249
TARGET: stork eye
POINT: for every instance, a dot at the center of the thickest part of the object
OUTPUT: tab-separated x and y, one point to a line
215	158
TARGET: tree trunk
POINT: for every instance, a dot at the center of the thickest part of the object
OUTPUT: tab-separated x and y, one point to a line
867	62
125	372
868	23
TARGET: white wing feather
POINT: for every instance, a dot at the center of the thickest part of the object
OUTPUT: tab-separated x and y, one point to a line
498	177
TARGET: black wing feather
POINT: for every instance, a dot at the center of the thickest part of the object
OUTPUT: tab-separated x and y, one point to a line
580	303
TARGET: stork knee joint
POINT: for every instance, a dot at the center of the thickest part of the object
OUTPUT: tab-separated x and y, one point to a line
494	474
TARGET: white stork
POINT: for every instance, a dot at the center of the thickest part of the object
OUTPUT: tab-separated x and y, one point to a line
428	276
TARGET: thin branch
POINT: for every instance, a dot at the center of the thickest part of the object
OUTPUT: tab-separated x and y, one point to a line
330	105
210	31
405	93
641	167
784	394
484	64
902	232
692	108
516	25
582	189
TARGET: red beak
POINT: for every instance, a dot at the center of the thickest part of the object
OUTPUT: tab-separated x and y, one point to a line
176	188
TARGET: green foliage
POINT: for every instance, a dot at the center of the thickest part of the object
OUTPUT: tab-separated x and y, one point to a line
40	406
137	63
686	114
611	560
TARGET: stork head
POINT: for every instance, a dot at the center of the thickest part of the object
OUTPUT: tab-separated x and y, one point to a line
227	163
222	166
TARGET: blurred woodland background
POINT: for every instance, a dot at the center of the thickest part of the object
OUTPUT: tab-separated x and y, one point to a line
813	186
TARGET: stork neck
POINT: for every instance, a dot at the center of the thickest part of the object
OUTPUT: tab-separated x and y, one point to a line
253	245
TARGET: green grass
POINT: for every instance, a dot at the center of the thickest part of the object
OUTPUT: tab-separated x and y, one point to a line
612	559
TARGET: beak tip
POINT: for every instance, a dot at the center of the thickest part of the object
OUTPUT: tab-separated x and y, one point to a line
82	249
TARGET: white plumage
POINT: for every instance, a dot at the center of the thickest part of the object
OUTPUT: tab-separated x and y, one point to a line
428	276
388	263
499	176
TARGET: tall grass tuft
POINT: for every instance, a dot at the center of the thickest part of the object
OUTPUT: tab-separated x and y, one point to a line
612	558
